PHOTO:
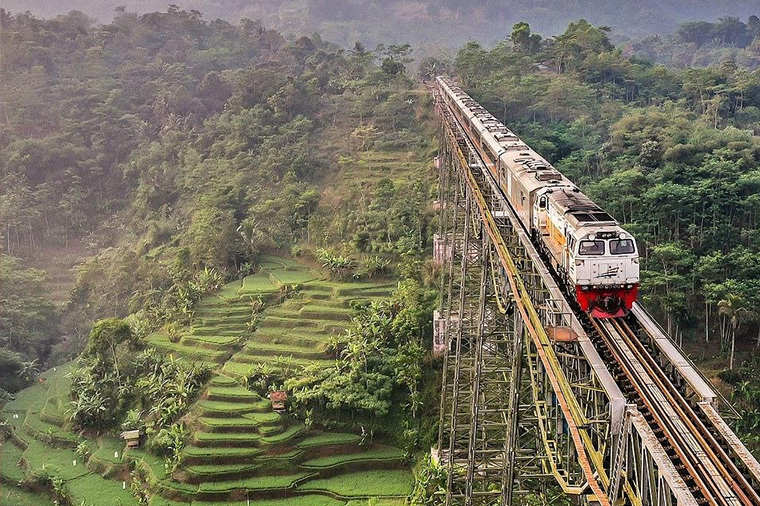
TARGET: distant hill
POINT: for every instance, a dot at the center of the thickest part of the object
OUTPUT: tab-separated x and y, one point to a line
432	23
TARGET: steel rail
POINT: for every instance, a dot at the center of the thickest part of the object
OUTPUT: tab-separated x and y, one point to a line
640	395
693	450
723	462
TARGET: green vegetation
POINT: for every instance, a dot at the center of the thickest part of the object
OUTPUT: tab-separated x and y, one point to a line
330	438
229	442
237	443
29	326
19	497
364	484
383	454
48	451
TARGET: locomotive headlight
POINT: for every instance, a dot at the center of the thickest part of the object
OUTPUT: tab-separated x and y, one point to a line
579	263
622	235
591	237
635	260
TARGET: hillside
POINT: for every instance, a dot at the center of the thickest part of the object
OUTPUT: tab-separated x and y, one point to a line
241	207
418	22
237	446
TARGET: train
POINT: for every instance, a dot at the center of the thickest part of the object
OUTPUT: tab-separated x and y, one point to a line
594	257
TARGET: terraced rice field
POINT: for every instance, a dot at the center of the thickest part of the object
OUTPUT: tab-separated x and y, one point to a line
40	443
239	448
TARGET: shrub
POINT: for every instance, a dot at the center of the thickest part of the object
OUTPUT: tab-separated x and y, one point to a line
172	330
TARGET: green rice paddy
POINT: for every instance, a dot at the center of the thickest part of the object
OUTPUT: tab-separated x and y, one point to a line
238	445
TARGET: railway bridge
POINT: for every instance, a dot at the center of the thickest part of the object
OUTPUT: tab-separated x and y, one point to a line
538	396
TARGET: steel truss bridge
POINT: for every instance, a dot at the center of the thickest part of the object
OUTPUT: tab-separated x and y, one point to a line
538	398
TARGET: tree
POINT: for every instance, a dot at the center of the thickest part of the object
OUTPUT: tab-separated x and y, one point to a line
523	40
106	338
733	310
395	58
29	323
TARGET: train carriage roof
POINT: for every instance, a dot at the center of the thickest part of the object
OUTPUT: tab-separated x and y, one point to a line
578	208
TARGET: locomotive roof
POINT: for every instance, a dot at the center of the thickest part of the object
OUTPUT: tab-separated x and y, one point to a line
579	209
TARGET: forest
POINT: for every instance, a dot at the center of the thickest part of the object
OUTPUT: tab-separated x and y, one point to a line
418	22
179	161
205	174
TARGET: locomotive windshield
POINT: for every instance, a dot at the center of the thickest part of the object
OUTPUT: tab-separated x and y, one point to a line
621	246
591	248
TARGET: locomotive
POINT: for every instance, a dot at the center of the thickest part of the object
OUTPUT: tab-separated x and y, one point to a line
592	254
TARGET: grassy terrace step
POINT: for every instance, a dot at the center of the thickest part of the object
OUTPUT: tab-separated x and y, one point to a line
273	322
256	283
364	484
291	277
10	454
237	311
223	326
220	455
219	472
242	365
16	496
382	454
39	455
324	313
247	422
314	341
298	500
330	304
258	483
47	432
218	330
220	380
224	319
218	343
287	310
89	488
328	439
255	348
288	434
276	361
213	409
231	394
226	439
161	340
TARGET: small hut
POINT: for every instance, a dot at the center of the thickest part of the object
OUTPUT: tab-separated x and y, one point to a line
132	437
278	398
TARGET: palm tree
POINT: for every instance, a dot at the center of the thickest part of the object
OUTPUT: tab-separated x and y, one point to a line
732	309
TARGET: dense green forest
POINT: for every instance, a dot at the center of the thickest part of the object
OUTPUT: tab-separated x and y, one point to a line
702	44
177	150
418	22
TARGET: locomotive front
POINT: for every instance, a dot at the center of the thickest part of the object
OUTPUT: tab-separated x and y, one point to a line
605	270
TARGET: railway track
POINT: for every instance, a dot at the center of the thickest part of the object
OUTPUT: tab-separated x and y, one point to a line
697	451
